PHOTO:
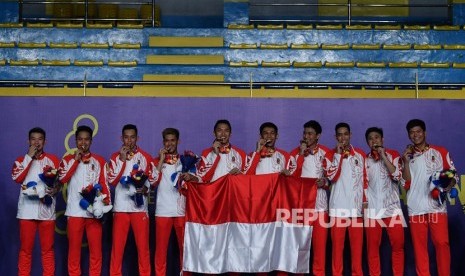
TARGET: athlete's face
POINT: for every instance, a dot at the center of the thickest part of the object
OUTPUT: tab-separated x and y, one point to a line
83	141
343	136
375	140
37	140
170	142
130	138
310	136
222	133
417	136
270	136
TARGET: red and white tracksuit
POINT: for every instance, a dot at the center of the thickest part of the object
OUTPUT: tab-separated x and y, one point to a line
275	163
34	215
213	166
169	213
79	174
384	211
127	214
425	212
311	166
349	181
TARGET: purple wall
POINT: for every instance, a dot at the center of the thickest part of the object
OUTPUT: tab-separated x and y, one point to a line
195	118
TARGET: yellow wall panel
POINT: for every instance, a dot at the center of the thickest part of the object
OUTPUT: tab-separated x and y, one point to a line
217	78
185	41
332	10
185	59
381	11
363	11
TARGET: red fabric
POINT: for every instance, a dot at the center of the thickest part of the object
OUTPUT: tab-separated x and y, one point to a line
241	198
396	239
437	223
93	228
319	238
27	233
338	234
139	222
163	227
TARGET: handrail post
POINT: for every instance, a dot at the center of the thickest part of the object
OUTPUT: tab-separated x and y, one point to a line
86	12
349	11
450	12
20	13
153	13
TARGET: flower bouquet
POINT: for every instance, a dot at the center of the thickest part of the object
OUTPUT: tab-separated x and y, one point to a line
188	165
37	190
440	183
94	201
49	177
135	183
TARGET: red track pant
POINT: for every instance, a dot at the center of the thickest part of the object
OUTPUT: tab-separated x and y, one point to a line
437	223
395	231
163	226
27	234
139	222
338	232
319	238
93	228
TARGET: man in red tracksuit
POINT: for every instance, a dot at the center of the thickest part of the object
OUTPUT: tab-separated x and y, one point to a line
170	203
81	169
33	211
346	170
310	156
269	159
421	161
222	157
384	211
128	212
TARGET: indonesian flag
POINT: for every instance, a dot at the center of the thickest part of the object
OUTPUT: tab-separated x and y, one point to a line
249	223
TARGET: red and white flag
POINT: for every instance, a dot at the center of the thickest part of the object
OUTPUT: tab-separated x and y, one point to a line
243	223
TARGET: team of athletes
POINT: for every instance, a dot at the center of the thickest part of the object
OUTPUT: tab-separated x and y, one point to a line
354	188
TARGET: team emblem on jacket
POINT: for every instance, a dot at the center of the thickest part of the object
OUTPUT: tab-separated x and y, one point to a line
278	160
233	159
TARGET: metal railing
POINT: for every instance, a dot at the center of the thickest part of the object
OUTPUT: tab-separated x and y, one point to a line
350	6
244	85
87	5
348	19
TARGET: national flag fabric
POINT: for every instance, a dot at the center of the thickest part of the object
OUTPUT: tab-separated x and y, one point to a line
243	223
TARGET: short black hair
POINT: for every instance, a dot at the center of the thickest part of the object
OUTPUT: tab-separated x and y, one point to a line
268	124
315	125
36	130
129	126
342	124
373	129
170	131
222	121
414	123
84	128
